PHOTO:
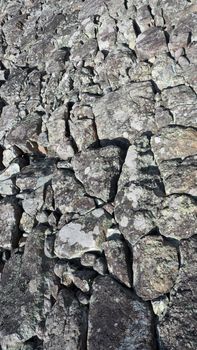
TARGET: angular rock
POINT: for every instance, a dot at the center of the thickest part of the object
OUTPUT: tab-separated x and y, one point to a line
100	266
155	267
116	253
26	284
166	73
9	119
66	324
98	170
106	32
139	193
150	43
83	132
113	70
10	214
108	326
177	217
178	327
172	143
69	195
125	113
82	235
70	274
25	134
181	100
58	144
180	176
35	175
32	202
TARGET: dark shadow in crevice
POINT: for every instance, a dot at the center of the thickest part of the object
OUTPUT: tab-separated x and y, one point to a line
156	340
35	343
136	28
120	142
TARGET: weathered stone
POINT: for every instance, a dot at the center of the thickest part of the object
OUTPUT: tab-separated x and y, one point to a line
139	192
99	170
66	324
125	113
88	259
58	144
83	132
144	18
116	253
155	267
177	328
70	274
172	143
177	217
166	73
100	266
69	194
106	32
28	282
181	100
108	326
9	119
9	220
25	133
112	71
180	176
150	43
83	235
35	175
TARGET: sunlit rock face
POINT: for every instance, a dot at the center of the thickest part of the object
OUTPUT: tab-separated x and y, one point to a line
98	174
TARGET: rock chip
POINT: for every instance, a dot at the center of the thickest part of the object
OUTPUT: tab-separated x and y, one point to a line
108	327
70	274
82	235
98	170
155	267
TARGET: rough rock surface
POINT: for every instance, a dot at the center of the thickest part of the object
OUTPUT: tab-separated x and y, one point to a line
155	267
98	174
177	328
109	314
99	170
82	235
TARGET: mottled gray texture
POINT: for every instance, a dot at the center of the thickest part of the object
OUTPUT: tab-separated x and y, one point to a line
98	147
